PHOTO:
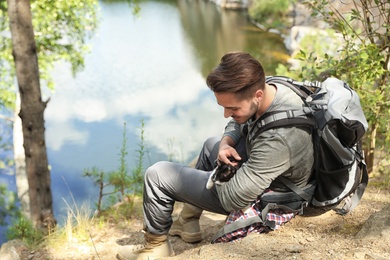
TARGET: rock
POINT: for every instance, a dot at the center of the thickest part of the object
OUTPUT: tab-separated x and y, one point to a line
294	249
11	249
377	226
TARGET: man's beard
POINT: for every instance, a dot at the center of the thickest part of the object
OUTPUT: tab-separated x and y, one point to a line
252	113
254	108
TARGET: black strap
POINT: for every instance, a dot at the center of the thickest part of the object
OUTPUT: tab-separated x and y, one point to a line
288	118
237	225
262	219
282	119
301	193
303	89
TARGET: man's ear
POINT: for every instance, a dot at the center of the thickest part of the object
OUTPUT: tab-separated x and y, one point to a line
259	94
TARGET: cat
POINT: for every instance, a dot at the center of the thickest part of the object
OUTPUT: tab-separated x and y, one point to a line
222	173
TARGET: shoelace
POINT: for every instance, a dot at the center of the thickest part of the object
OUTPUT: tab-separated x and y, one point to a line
148	244
139	247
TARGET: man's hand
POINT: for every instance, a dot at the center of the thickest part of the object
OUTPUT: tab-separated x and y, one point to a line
227	154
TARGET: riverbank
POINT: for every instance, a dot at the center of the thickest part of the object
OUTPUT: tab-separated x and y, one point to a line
363	234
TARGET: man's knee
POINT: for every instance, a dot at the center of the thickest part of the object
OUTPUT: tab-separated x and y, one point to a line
208	154
211	142
151	174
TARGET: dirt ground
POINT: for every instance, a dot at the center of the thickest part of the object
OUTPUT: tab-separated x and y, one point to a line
328	236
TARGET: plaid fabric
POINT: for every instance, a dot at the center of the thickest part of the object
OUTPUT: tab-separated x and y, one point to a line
278	216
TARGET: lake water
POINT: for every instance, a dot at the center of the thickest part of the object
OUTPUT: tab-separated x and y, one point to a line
150	68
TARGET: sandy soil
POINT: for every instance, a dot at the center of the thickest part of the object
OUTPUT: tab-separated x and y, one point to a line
328	236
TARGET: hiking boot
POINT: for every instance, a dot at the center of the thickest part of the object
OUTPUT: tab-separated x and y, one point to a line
155	246
187	225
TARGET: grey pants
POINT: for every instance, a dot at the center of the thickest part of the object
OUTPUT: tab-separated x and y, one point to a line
167	182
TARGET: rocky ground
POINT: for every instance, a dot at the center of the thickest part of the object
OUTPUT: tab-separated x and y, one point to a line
363	234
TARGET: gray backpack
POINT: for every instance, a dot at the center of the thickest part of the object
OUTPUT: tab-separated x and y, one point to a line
333	111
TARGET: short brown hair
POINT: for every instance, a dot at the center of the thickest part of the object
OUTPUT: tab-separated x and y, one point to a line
239	73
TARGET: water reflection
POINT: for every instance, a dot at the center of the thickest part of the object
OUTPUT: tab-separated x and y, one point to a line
152	68
139	68
213	31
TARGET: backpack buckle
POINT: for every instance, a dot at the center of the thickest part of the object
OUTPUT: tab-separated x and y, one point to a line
290	113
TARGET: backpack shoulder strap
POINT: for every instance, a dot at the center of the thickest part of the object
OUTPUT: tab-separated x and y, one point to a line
302	89
289	118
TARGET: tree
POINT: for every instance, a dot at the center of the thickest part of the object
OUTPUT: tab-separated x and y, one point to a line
31	113
270	14
361	57
61	28
364	62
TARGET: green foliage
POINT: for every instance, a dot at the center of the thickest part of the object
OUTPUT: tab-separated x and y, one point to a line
361	59
121	185
120	179
313	56
137	178
270	14
133	4
99	178
6	159
24	229
364	57
8	205
61	29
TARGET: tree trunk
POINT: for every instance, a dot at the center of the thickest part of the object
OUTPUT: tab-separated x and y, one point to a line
369	149
20	162
370	155
31	113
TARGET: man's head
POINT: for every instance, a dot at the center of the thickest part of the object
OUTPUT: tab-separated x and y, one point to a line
238	83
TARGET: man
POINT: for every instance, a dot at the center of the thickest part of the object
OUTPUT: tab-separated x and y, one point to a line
238	83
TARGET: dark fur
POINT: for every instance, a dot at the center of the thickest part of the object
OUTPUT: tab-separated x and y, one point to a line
222	173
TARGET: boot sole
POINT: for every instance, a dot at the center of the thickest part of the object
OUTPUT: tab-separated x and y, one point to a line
187	237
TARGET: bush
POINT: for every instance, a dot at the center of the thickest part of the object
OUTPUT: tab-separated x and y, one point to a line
24	230
8	206
270	14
